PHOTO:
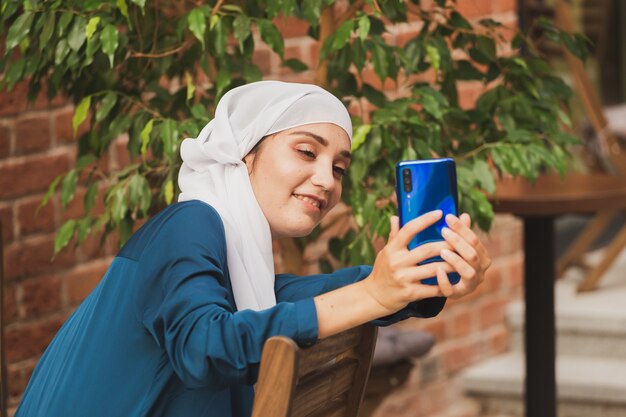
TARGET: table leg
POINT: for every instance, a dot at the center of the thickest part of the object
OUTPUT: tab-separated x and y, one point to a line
540	317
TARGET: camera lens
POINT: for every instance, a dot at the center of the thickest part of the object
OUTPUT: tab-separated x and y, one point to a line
406	179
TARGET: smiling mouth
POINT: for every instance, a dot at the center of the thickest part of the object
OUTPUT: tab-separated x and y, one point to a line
310	200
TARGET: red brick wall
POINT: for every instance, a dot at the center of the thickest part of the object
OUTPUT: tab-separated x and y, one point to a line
36	145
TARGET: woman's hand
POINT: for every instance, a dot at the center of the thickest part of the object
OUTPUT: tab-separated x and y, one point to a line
396	278
468	257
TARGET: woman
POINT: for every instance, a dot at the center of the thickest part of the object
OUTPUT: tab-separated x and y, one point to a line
177	324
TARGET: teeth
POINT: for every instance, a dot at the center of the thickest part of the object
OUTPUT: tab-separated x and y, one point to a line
309	200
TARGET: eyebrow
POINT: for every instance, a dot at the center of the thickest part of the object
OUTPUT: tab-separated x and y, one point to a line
323	142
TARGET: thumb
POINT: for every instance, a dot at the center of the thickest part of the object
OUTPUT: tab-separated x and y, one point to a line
394	221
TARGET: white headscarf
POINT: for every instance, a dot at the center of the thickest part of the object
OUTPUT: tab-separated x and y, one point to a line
213	171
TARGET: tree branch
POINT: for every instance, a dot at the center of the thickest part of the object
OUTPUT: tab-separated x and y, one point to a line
327	27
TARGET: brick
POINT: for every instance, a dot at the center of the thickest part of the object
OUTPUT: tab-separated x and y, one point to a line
461	323
5	141
33	256
32	134
10	311
262	59
6	220
469	92
83	279
459	355
30	220
27	176
15	101
291	27
15	381
91	248
492	311
504	6
498	340
41	295
29	340
471	9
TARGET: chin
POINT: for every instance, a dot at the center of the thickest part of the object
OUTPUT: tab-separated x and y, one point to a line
296	231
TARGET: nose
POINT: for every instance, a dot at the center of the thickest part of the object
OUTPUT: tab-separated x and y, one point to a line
323	177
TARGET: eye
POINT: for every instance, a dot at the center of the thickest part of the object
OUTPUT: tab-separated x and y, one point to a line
340	171
309	154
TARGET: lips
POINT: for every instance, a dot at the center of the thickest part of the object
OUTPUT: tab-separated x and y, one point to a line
312	200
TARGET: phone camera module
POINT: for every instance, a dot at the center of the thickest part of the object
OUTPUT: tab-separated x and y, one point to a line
406	180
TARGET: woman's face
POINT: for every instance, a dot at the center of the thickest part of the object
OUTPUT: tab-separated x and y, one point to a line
296	176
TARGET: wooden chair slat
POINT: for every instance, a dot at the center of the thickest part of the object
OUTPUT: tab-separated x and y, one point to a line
327	349
325	380
315	390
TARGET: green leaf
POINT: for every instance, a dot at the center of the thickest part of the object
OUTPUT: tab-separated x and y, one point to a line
121	4
191	88
241	29
47	31
110	42
51	188
139	193
91	27
68	187
168	191
140	3
364	27
80	114
106	105
64	235
485	176
359	136
83	227
61	51
85	161
295	64
78	34
358	54
19	30
223	80
196	22
14	73
342	35
64	20
380	61
271	36
169	135
90	197
145	136
433	57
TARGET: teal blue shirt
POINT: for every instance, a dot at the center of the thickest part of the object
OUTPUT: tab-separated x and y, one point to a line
161	336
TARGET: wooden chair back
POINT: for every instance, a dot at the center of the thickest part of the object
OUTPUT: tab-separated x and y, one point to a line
3	365
325	380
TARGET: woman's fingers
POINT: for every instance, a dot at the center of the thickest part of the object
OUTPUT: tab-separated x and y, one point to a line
409	230
394	221
444	283
462	247
429	270
477	255
425	251
460	265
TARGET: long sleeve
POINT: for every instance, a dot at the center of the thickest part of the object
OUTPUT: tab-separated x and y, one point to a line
290	287
189	309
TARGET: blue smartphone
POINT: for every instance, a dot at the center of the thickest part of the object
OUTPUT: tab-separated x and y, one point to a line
423	186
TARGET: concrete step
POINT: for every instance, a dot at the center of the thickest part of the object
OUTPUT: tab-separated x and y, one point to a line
587	386
589	324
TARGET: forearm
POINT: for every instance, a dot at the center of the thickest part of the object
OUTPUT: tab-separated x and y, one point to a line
345	308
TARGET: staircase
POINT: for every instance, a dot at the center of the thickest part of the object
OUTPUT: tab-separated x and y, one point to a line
591	353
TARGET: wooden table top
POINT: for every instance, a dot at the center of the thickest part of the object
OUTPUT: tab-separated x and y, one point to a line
552	195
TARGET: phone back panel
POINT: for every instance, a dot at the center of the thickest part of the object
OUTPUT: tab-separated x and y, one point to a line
433	186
